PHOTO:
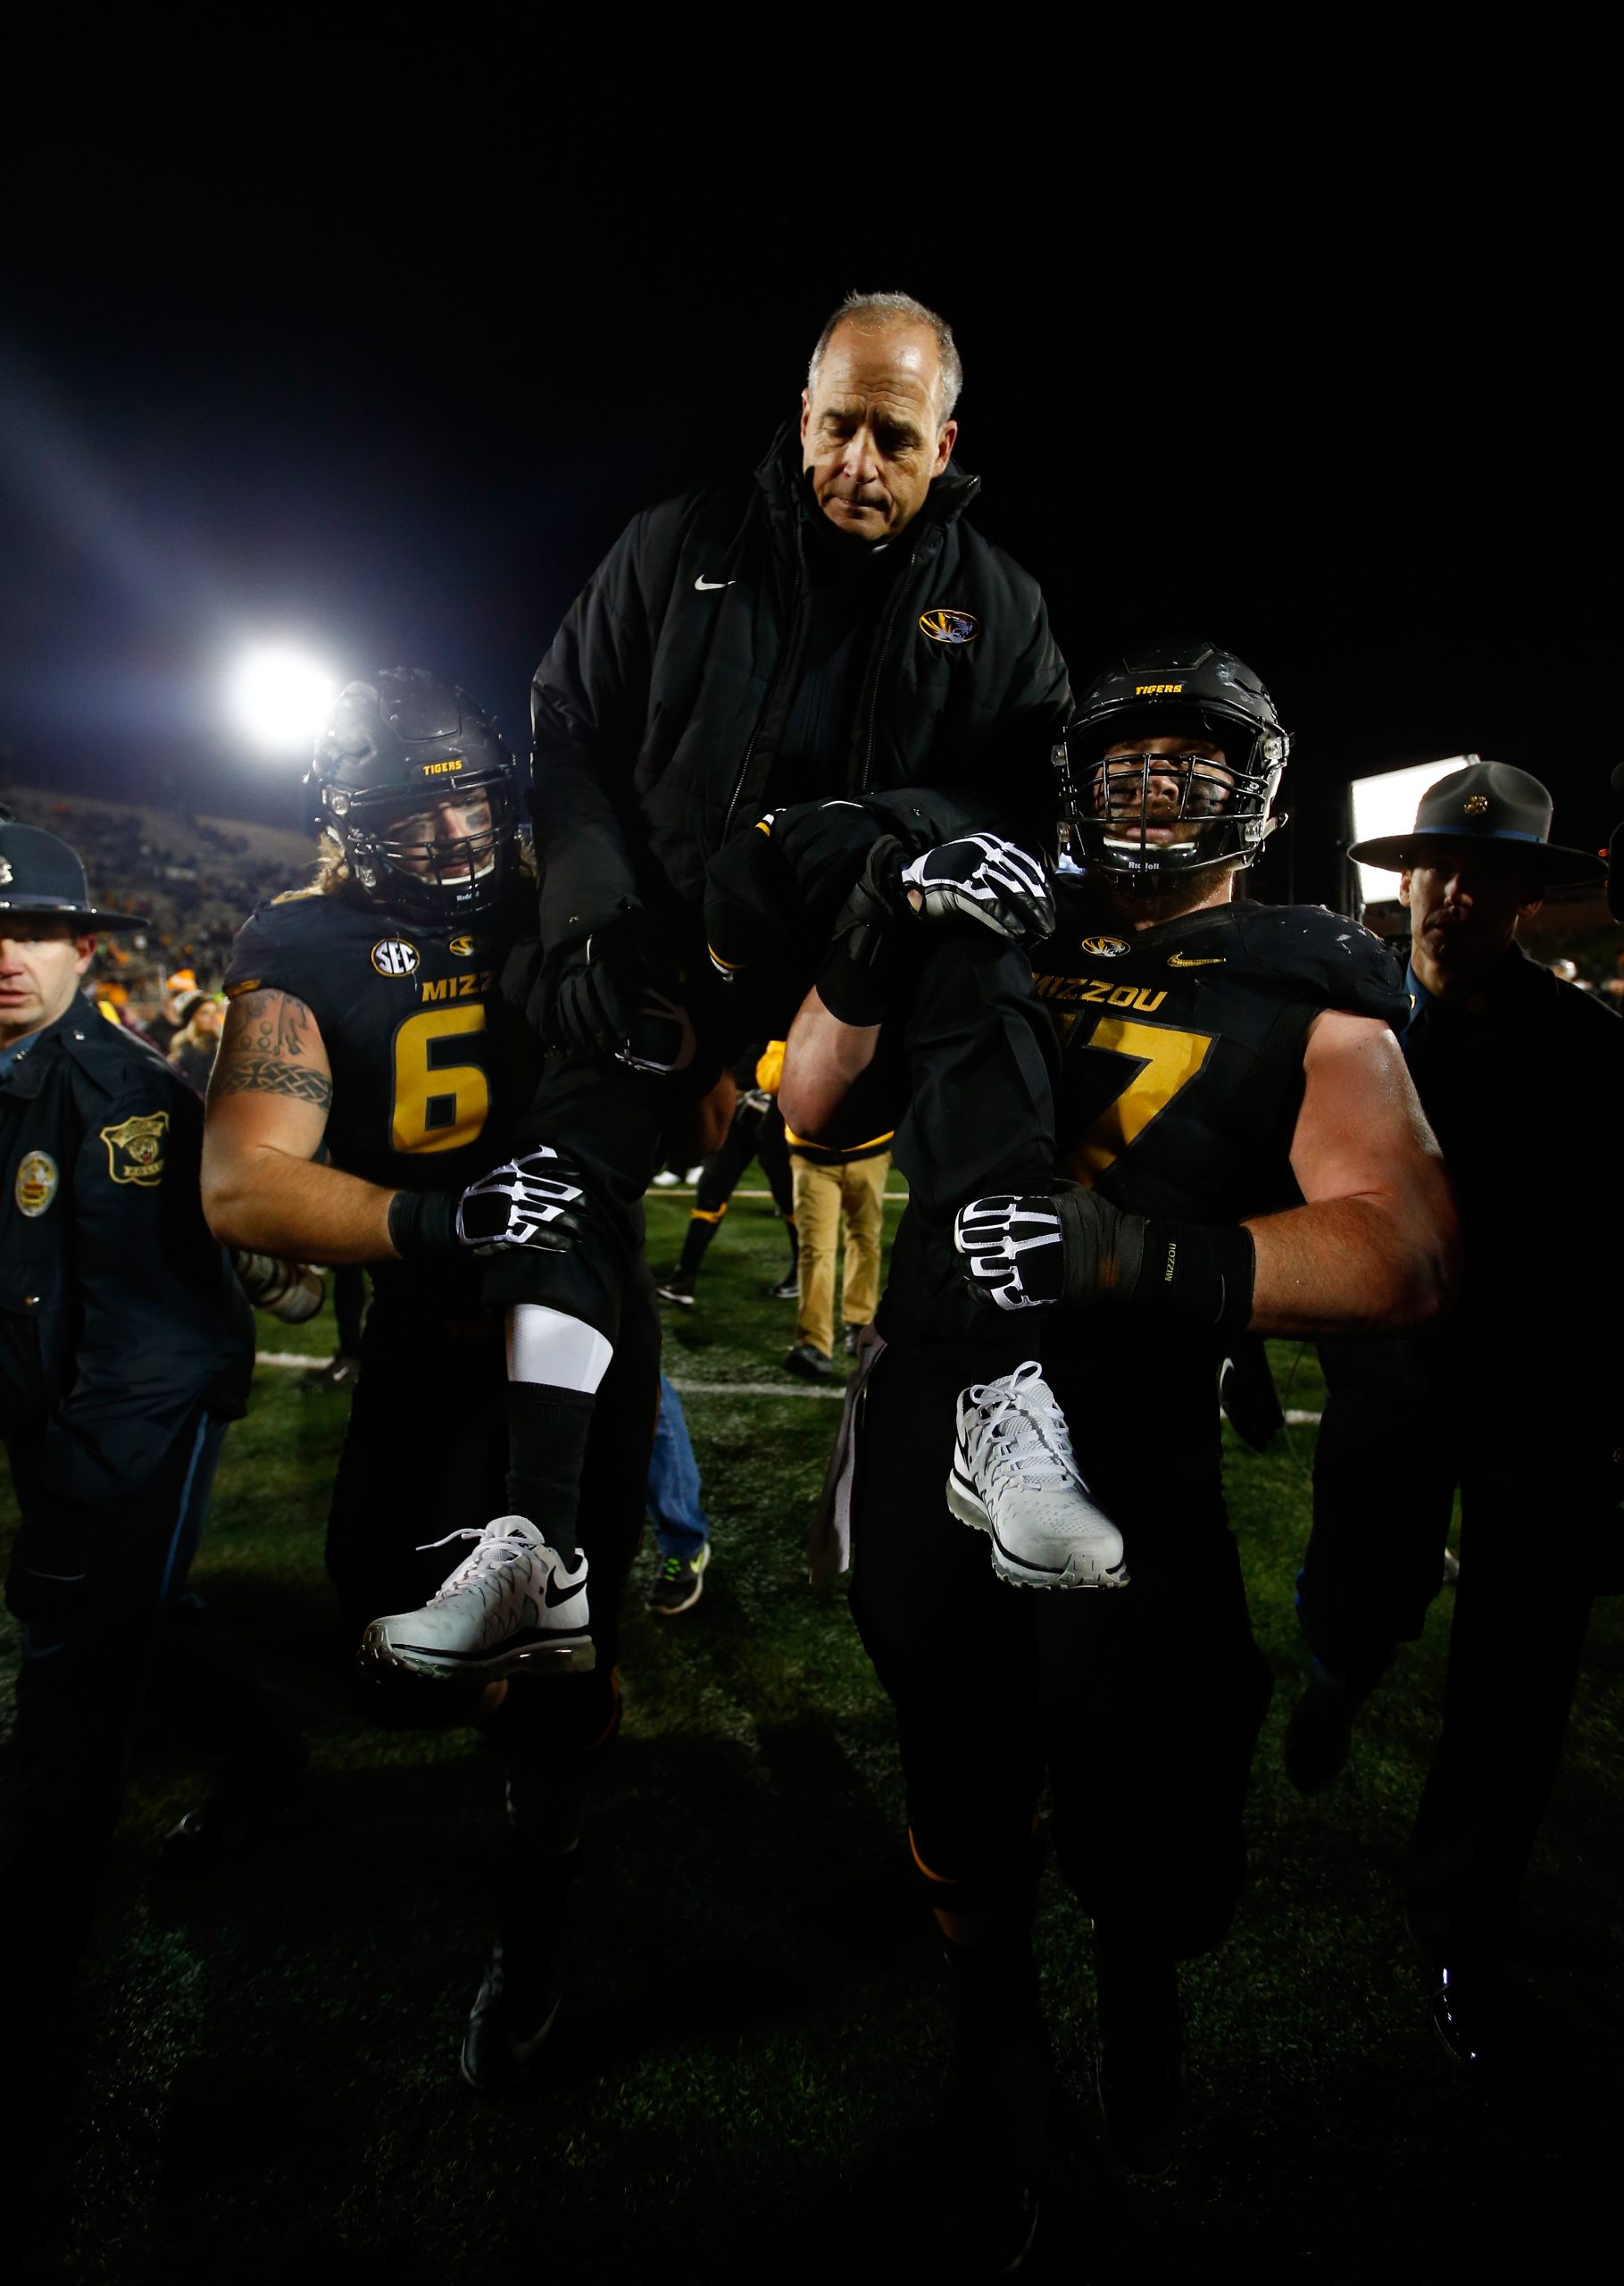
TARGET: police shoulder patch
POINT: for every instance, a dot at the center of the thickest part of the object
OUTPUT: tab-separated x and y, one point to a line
37	1182
134	1148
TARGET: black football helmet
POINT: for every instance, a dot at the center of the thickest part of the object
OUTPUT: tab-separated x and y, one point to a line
399	743
1202	812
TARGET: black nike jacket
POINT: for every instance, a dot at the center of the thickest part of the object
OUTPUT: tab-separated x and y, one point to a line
658	709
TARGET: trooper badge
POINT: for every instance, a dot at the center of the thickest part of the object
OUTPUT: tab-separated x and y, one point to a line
135	1150
36	1182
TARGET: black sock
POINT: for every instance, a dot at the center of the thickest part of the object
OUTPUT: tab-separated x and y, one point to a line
546	1445
700	1232
793	1270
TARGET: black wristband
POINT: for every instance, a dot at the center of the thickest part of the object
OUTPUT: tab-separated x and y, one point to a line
1199	1270
423	1223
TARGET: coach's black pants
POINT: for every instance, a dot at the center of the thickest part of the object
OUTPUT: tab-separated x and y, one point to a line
425	1455
1400	1434
1141	1705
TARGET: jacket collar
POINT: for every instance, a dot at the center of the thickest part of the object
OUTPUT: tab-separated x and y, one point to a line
780	476
27	1071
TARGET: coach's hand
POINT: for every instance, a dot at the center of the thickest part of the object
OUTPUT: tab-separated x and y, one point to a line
596	990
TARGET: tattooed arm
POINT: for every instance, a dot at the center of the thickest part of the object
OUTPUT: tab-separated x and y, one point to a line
268	1102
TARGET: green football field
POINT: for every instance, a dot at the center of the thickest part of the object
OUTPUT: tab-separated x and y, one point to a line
261	2082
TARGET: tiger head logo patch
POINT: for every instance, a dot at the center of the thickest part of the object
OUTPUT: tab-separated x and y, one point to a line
135	1149
944	626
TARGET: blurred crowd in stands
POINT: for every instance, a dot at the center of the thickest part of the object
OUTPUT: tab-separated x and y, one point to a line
197	878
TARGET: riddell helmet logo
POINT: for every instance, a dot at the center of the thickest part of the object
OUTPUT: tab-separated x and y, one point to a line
1156	690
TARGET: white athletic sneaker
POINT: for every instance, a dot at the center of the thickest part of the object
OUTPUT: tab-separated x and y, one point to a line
1015	1477
511	1605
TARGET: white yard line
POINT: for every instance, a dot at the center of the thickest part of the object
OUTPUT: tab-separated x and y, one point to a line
707	1389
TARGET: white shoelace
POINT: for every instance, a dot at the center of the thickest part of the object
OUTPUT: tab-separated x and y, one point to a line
1042	1456
506	1548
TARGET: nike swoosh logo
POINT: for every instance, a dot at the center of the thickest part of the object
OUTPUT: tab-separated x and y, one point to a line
554	1597
705	586
1178	960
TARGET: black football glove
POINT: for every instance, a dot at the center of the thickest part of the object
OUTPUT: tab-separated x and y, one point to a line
1030	1251
531	1202
596	990
983	877
604	1002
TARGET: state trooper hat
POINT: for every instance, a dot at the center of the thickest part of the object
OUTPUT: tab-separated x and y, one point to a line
40	874
1487	801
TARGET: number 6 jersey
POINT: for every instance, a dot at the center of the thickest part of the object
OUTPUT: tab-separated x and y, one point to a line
431	1068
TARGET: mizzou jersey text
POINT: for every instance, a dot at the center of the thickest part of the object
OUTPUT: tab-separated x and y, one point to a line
1181	1049
1170	1080
430	1067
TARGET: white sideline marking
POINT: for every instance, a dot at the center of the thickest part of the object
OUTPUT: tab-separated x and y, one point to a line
1293	1420
683	1389
686	1191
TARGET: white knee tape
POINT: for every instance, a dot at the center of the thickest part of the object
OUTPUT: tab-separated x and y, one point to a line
564	1353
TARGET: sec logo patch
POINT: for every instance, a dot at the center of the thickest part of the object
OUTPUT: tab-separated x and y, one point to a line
36	1182
392	956
1104	948
943	625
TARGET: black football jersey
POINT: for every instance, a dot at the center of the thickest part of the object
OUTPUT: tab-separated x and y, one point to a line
1177	1076
1180	1050
432	1067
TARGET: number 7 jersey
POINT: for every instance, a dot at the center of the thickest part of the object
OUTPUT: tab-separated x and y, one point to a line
1181	1049
432	1067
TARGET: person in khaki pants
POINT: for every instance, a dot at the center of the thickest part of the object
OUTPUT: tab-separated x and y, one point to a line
835	1191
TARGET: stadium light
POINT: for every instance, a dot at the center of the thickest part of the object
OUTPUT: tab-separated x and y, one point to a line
1386	805
278	695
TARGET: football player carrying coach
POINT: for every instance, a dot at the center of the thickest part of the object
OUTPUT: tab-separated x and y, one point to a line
830	627
1518	1402
125	1339
370	1073
1193	1120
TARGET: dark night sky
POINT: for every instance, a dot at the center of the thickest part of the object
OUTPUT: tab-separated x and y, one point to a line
1351	428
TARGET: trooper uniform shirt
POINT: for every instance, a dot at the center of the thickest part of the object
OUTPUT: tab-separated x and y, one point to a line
119	1314
431	1066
